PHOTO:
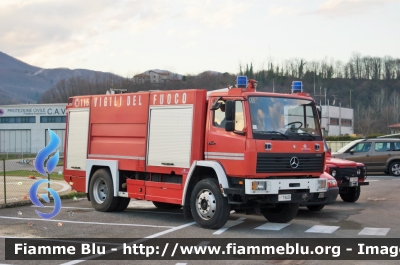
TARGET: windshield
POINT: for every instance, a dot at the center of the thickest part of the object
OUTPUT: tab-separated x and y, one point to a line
284	118
347	146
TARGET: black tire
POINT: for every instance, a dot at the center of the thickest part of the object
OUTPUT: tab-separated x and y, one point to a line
281	213
123	204
352	195
316	208
394	168
166	206
101	190
210	209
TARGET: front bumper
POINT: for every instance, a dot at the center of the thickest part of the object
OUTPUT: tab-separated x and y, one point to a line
327	197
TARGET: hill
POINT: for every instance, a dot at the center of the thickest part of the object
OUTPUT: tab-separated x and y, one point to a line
24	83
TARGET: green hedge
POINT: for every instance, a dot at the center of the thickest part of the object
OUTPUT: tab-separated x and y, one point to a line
350	138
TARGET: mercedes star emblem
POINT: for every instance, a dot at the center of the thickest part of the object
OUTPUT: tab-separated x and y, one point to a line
294	162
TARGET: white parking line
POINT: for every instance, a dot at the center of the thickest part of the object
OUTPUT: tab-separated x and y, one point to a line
63	207
78	222
131	243
228	225
272	226
325	229
370	231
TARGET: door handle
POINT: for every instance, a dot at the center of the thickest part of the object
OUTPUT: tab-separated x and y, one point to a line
211	143
367	155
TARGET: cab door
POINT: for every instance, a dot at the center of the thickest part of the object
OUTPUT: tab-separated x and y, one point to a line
226	147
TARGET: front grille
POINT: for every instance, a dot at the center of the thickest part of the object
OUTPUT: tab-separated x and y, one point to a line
277	163
348	172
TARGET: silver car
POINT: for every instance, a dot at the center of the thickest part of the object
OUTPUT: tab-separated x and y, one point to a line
377	154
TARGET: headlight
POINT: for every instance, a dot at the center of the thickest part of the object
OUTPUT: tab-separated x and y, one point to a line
333	173
259	185
358	171
332	183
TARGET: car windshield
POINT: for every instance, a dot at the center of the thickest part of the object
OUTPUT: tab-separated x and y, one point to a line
284	118
347	146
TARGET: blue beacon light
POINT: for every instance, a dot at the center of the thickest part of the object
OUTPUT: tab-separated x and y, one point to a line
297	86
242	81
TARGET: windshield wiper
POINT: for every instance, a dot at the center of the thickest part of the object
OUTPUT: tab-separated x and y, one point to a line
307	134
274	132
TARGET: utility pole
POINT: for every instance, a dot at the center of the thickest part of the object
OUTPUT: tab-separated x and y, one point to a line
350	98
340	118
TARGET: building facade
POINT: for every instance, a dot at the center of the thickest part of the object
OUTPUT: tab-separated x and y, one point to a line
155	77
337	121
24	128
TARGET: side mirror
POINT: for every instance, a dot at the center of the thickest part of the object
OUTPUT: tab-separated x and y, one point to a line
351	151
229	110
229	126
319	110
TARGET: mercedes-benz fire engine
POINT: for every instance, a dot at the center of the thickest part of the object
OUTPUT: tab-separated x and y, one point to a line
209	153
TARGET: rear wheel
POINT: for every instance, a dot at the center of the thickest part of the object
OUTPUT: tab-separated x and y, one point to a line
101	191
394	168
281	212
123	204
352	195
165	206
316	208
210	209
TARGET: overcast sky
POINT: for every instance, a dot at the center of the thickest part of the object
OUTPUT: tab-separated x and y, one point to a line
127	37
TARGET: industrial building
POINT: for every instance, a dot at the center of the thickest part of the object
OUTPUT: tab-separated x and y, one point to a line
337	120
23	128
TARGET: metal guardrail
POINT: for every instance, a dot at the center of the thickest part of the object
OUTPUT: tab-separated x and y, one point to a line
336	145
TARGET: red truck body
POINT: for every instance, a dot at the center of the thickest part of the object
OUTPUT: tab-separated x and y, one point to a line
169	147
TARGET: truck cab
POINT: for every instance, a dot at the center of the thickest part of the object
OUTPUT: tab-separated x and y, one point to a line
270	147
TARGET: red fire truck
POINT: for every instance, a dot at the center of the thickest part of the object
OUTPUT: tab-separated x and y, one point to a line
209	153
349	175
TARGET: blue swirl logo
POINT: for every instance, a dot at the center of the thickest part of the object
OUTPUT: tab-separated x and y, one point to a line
50	165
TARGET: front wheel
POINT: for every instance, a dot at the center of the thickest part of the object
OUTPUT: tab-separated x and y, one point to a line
210	209
352	195
101	191
281	212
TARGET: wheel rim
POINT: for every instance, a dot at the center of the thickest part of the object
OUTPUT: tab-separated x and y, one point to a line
100	191
396	169
206	204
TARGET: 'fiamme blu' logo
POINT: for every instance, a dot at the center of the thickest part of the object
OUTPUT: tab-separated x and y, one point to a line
50	165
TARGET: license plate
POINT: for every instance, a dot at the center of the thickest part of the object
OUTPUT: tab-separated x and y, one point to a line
353	182
284	197
321	195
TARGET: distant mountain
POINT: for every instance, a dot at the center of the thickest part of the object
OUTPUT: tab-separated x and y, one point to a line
23	83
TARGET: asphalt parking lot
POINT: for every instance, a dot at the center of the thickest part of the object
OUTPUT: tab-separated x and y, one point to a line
374	215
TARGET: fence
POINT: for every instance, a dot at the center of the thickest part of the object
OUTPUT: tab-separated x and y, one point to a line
18	175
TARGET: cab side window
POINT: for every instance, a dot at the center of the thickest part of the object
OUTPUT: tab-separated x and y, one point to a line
362	147
239	116
219	115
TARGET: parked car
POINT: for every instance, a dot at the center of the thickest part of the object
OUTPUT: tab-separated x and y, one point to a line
350	175
377	154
